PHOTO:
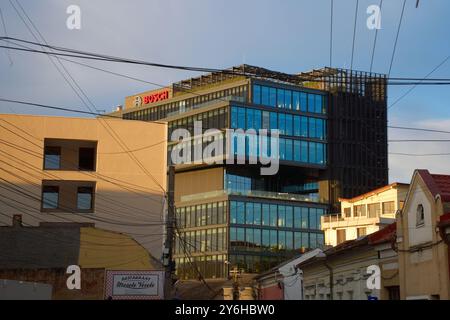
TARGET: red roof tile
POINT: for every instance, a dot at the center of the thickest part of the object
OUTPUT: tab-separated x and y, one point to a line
384	235
438	184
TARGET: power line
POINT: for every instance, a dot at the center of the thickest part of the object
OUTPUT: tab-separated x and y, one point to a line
375	41
419	154
423	79
354	33
396	38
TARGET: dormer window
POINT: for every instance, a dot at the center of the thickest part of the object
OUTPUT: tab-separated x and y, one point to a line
420	216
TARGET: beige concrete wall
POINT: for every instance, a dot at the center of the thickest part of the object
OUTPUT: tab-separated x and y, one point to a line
423	273
126	199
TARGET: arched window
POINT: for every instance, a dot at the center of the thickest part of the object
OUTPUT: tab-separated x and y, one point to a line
420	216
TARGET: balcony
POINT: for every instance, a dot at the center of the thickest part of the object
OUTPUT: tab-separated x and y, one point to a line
252	193
205	104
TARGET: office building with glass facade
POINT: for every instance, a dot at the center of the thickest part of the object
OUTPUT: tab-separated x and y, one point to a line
332	143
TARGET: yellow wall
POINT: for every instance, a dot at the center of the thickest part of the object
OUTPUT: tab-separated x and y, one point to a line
112	251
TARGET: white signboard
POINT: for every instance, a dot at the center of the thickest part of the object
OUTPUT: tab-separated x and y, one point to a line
134	285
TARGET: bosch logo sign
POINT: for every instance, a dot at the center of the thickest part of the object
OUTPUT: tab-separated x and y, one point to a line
152	98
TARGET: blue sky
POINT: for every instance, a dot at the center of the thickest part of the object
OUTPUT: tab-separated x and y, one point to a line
289	36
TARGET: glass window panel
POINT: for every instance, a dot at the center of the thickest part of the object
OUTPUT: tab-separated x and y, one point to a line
257	120
289	240
52	157
282	123
297	218
281	240
296	100
241	118
84	198
257	214
311	103
296	126
303	126
233	212
250	118
273	239
297	151
312	128
266	238
297	240
289	217
280	98
249	237
240	234
304	151
266	120
249	213
273	215
319	153
282	148
288	151
273	120
281	216
265	215
265	95
305	240
257	237
312	152
303	101
272	97
304	218
256	94
313	223
240	212
289	123
319	103
288	99
50	197
320	129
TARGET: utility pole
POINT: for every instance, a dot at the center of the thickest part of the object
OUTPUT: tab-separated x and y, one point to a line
170	226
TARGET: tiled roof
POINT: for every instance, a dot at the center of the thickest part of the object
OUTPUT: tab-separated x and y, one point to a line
375	192
384	235
438	184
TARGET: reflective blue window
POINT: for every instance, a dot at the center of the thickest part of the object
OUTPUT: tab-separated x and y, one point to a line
249	118
304	151
296	100
297	150
266	238
257	214
240	209
289	217
304	126
319	128
249	213
319	103
233	212
282	148
282	123
265	96
273	215
312	127
280	98
305	240
273	239
297	240
281	240
313	224
289	240
304	218
272	97
288	151
265	215
303	102
289	123
311	103
297	218
240	234
319	153
273	120
297	126
241	118
234	118
257	120
312	152
257	94
288	99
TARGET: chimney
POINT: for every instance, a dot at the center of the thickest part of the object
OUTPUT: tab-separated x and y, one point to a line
17	220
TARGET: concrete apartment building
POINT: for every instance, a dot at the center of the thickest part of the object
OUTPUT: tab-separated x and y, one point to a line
364	214
423	238
333	144
59	169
